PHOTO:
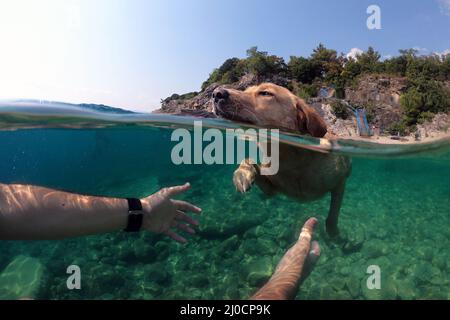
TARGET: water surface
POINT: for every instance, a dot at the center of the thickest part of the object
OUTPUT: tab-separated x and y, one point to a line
395	214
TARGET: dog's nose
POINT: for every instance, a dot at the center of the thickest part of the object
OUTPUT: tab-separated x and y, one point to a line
220	93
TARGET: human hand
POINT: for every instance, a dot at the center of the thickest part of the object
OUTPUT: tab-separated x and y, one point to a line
165	215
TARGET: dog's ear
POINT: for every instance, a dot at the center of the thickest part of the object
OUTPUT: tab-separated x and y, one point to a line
309	120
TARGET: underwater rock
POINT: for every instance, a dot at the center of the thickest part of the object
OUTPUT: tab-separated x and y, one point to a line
353	286
259	271
342	295
108	279
426	253
375	248
255	247
229	244
21	278
433	293
345	271
232	293
267	246
249	247
337	283
353	240
245	293
211	228
327	293
229	284
286	234
405	289
126	254
163	249
440	262
146	289
258	247
144	252
157	273
424	272
199	280
387	291
250	233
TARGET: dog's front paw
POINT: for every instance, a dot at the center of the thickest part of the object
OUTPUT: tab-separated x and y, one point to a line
243	179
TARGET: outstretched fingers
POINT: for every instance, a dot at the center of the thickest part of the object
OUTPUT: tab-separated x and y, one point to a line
185	228
185	206
173	191
175	236
184	217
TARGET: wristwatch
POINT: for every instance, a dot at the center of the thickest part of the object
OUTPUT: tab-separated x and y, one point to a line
135	215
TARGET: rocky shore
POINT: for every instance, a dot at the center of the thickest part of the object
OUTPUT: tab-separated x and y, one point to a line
379	95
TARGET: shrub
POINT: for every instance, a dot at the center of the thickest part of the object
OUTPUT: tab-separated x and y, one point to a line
339	109
306	91
399	128
176	96
424	96
425	116
370	112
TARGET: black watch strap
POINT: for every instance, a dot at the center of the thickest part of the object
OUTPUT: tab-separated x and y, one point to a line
135	215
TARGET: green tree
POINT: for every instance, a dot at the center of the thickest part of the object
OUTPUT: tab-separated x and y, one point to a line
262	64
228	72
325	61
352	69
396	65
445	68
370	61
428	67
302	69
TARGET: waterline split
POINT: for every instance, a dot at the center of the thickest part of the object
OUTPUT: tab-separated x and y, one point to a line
213	153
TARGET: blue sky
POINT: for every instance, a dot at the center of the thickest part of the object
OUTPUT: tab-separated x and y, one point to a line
132	53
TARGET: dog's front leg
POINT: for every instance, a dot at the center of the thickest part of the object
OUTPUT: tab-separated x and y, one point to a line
244	176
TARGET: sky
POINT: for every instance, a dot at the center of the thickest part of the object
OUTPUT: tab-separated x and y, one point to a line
133	53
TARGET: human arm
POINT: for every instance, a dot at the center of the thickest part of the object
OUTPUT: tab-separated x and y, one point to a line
37	213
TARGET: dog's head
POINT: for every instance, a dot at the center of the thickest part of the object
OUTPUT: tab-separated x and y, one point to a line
271	106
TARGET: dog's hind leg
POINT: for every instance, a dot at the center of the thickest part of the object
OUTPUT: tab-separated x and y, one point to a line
336	201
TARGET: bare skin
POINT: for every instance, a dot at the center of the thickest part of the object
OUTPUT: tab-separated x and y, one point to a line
293	268
37	213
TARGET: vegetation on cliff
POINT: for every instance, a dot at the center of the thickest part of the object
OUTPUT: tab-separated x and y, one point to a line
425	94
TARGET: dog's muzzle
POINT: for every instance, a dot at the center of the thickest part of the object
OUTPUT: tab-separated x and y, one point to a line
220	97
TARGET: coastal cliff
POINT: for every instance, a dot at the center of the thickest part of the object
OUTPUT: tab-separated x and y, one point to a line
405	98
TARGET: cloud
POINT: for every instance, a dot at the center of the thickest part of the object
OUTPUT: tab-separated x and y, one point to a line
443	53
354	53
444	6
421	50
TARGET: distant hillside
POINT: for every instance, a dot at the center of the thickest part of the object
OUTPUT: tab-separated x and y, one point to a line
90	106
103	108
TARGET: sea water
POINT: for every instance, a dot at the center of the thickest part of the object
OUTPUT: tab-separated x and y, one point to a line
395	214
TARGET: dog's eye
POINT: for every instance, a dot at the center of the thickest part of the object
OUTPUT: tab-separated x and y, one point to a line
265	93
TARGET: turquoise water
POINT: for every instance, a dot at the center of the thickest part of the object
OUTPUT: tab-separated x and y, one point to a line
395	214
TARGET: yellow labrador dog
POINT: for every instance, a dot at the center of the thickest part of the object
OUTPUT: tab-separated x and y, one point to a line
303	174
